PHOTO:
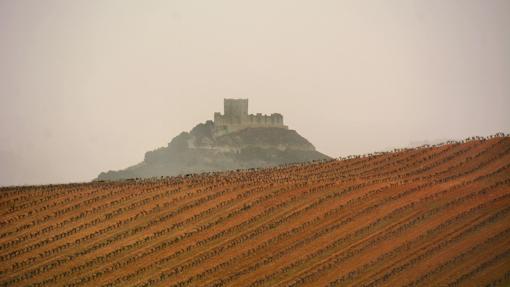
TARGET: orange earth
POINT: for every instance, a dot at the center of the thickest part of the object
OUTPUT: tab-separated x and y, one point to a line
430	216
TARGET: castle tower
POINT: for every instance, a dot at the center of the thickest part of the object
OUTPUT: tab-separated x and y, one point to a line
236	118
236	110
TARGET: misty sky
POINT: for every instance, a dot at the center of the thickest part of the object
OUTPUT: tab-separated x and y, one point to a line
88	86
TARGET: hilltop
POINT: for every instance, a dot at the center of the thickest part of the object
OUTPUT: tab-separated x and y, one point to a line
235	140
428	216
199	151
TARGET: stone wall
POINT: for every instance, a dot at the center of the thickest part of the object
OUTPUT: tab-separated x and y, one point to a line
236	118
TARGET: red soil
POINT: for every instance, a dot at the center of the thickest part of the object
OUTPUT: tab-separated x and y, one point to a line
432	216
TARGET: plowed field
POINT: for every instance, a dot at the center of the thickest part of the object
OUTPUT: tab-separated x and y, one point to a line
431	216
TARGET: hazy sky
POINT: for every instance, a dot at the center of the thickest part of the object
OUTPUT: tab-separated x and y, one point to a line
88	86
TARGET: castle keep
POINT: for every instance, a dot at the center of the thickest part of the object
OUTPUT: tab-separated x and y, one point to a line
236	118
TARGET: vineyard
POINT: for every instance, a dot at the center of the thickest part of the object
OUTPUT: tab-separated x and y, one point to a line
429	216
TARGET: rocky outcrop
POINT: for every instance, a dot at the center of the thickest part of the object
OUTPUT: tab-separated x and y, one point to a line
200	151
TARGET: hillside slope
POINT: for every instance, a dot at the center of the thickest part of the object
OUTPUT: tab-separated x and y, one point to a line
417	217
199	151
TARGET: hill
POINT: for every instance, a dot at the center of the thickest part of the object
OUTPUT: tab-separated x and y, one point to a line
415	217
201	151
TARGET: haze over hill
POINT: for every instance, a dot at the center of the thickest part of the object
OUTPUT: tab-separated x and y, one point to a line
90	85
235	140
119	101
436	216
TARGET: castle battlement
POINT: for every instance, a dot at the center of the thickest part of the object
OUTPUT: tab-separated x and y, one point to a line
236	118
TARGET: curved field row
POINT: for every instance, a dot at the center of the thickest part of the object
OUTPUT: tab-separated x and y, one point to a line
430	216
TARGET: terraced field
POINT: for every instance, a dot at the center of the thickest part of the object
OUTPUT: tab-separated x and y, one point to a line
417	217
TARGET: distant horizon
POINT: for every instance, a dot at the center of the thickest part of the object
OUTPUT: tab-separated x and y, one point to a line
89	86
389	149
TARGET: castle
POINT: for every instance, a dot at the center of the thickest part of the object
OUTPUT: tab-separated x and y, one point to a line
236	118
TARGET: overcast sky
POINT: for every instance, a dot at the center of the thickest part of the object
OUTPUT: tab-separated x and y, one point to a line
88	86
